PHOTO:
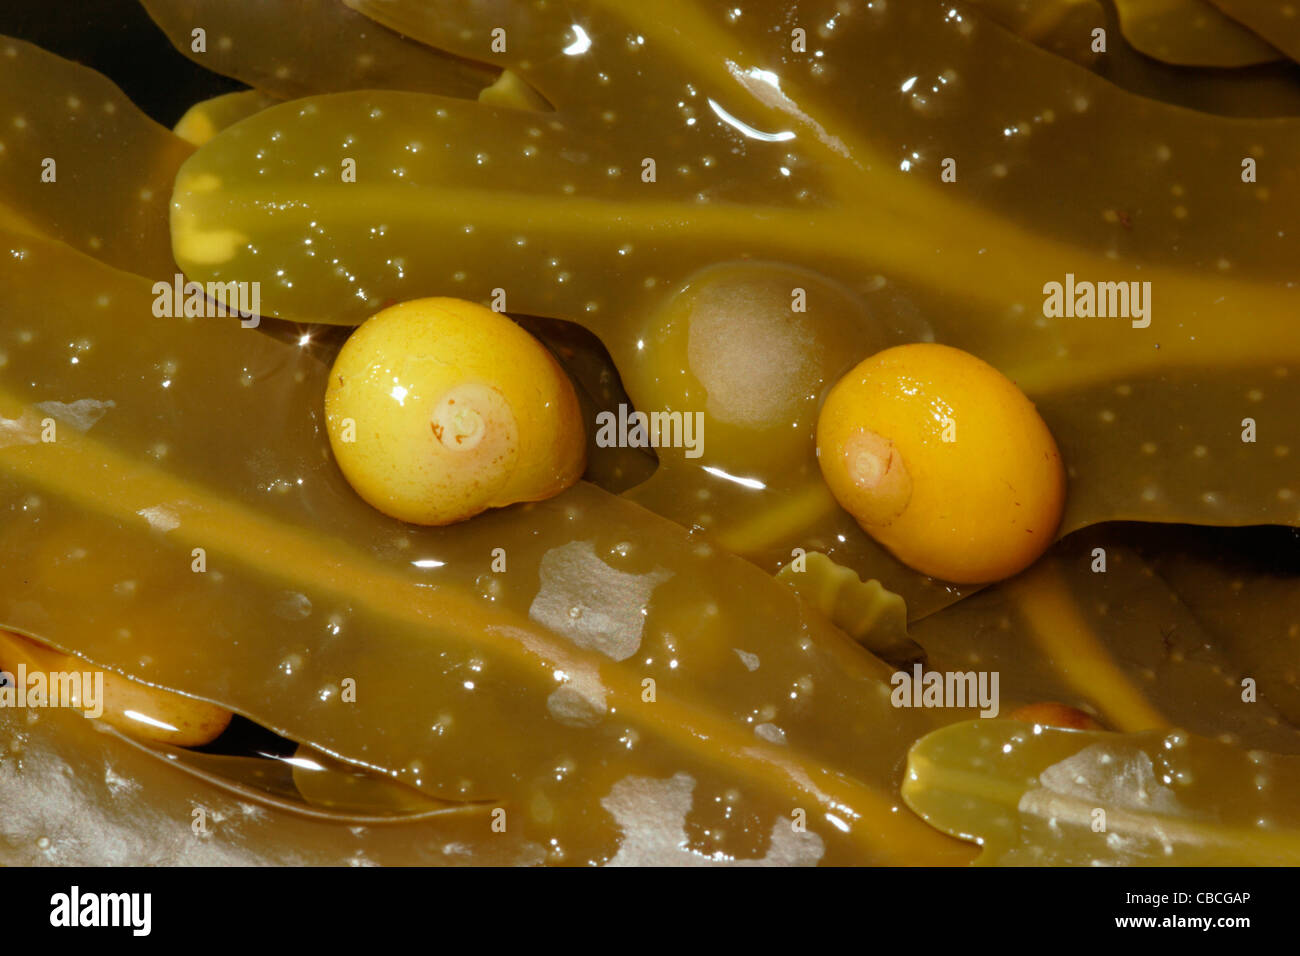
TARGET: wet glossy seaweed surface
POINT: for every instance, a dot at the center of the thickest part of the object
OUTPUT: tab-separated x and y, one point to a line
634	685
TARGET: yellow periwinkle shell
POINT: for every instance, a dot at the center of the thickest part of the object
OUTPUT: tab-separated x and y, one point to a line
944	461
135	708
438	409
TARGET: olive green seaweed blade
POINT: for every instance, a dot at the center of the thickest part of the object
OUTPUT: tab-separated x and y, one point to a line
1062	26
339	204
1275	22
1070	28
1251	613
549	44
208	117
1191	33
81	164
1034	795
1121	645
868	612
350	203
73	796
293	48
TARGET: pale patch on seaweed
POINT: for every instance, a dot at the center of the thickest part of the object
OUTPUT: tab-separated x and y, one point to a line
1140	810
652	814
579	701
118	785
1123	781
26	429
83	414
592	604
771	733
160	517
